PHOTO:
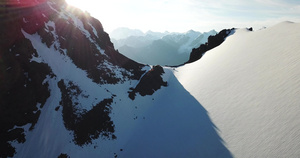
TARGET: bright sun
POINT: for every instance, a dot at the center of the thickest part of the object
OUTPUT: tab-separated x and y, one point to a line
143	15
99	10
83	5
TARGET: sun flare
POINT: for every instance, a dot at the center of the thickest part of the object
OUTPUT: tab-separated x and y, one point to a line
102	10
83	5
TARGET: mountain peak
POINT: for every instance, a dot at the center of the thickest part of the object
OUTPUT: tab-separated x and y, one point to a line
124	32
191	31
53	63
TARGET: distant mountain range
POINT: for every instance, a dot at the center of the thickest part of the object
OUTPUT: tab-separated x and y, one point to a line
158	48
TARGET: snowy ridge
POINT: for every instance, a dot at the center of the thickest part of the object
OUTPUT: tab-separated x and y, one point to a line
78	23
250	86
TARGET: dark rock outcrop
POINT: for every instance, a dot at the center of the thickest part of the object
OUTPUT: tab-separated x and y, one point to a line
22	92
212	42
63	156
149	83
85	125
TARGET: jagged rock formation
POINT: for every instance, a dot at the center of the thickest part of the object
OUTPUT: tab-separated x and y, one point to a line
212	42
84	129
149	83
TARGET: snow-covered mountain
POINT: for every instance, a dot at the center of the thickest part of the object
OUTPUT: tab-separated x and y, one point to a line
156	48
66	92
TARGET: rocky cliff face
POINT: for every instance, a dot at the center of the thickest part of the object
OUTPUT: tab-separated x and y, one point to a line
41	42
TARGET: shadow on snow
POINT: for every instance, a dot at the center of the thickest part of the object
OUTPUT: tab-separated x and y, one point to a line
176	125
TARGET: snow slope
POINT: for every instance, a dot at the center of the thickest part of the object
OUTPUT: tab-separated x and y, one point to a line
250	86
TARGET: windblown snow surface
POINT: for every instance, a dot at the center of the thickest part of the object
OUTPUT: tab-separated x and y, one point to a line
250	86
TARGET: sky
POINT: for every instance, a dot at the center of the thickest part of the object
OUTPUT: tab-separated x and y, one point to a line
184	15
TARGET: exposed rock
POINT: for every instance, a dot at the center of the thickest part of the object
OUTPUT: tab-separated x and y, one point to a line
23	91
86	125
212	42
63	156
149	83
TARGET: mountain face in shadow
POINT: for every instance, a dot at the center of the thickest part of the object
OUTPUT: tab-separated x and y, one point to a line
65	91
175	125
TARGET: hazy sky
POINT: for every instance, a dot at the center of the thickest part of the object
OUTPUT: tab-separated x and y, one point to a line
183	15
